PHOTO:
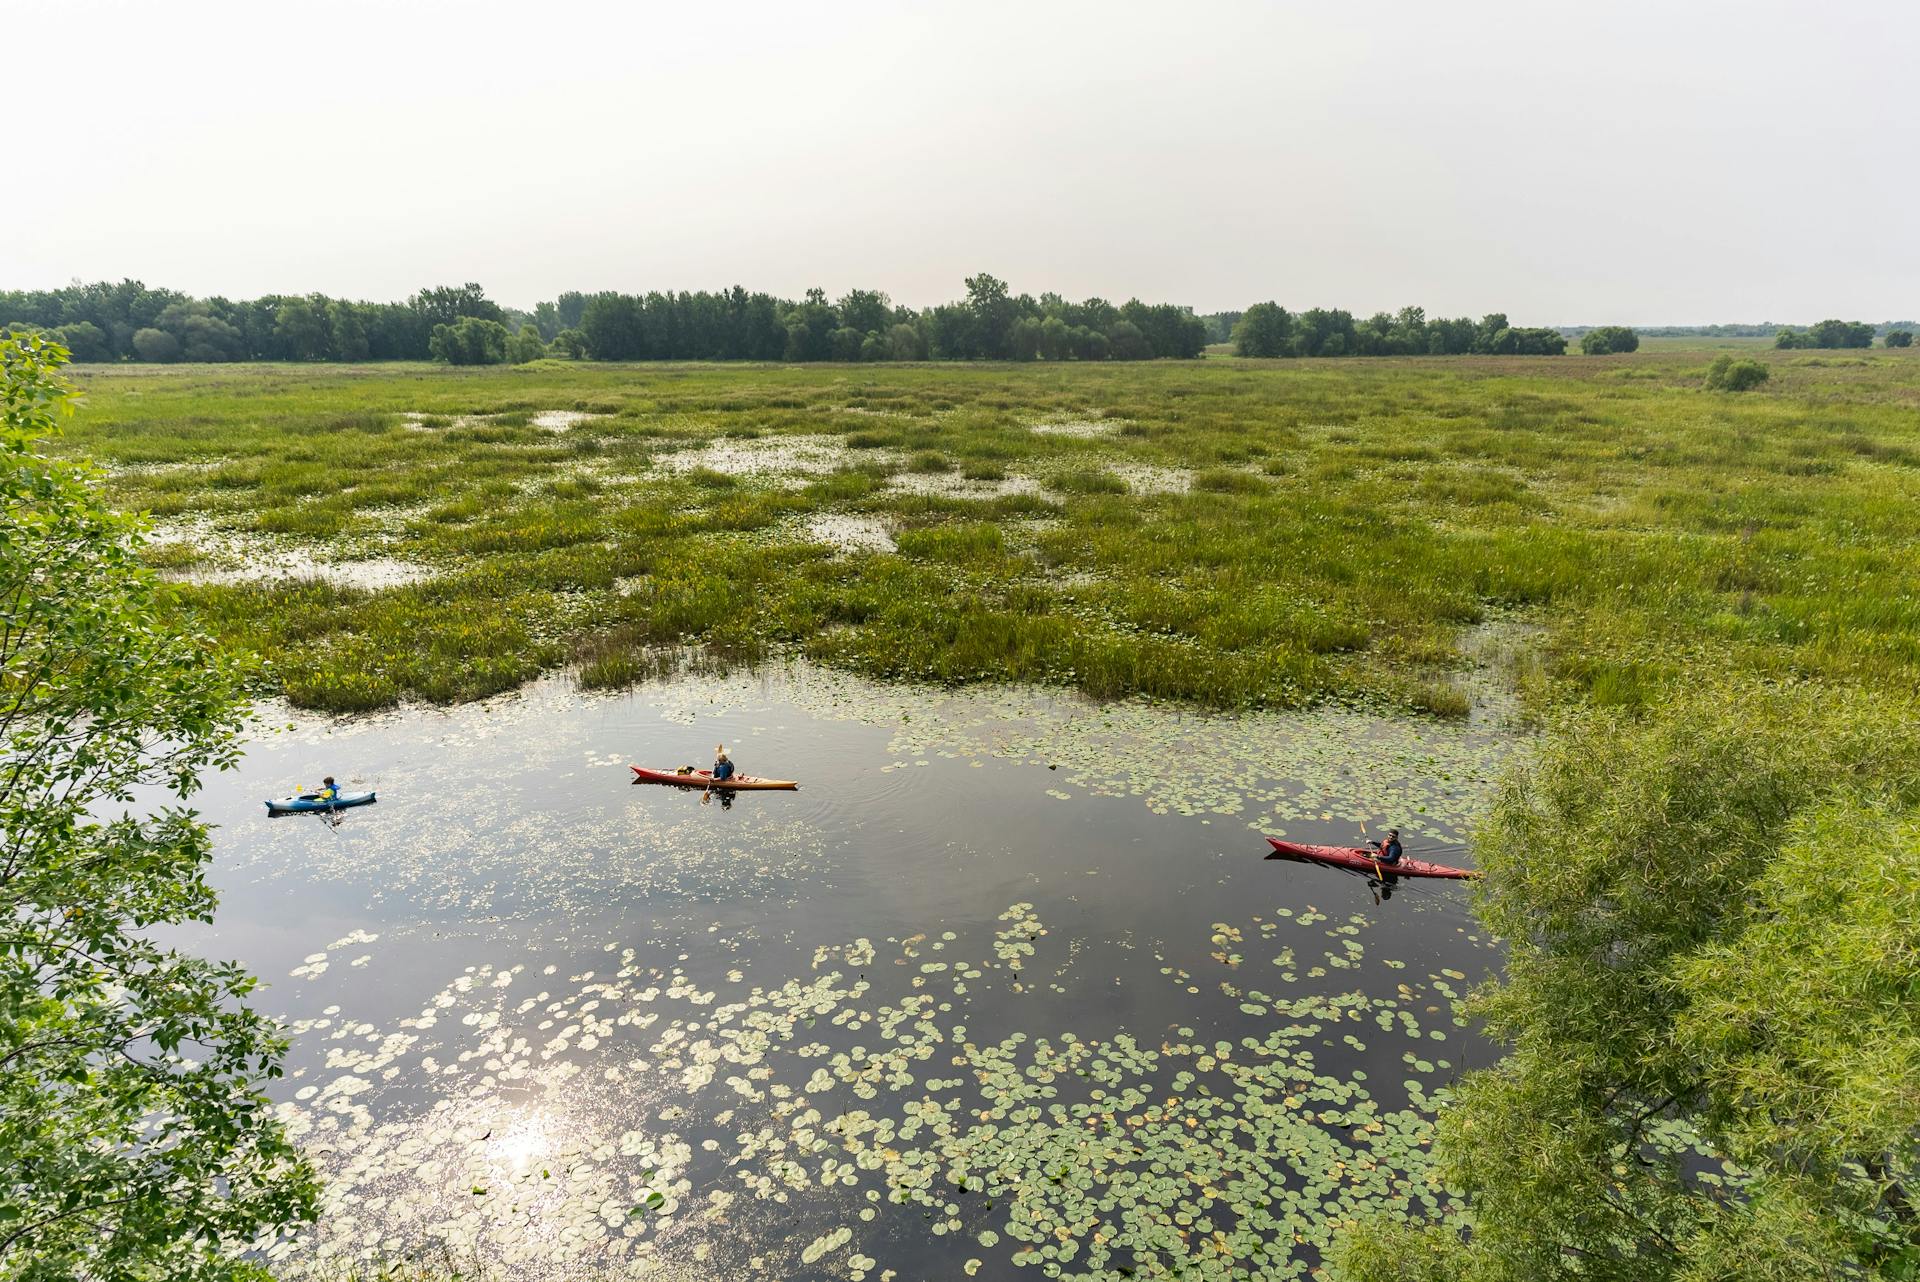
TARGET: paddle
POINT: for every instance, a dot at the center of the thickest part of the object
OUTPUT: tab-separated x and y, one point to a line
1375	856
331	816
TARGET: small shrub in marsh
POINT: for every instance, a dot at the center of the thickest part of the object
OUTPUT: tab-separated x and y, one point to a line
1089	482
979	470
361	421
929	461
708	478
1224	480
178	555
1729	375
1442	699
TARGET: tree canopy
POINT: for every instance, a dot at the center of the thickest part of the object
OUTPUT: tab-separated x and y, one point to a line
1827	333
1712	918
1608	340
135	1141
470	341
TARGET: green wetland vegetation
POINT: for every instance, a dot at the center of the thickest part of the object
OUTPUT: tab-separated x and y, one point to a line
1230	533
1006	990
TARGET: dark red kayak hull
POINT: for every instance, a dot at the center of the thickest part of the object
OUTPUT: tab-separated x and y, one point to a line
1359	859
704	779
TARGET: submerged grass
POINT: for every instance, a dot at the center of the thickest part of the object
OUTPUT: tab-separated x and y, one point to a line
1334	526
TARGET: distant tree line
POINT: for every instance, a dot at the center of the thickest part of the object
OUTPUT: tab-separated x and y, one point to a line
459	324
129	321
1268	329
990	323
1761	329
1764	329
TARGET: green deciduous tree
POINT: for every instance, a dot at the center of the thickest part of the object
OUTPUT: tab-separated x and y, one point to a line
133	1138
1125	342
867	310
202	335
469	341
615	327
993	311
85	341
445	304
1089	344
525	346
302	329
1263	331
1023	339
1899	338
347	333
1056	339
152	344
845	343
1608	340
1712	921
904	343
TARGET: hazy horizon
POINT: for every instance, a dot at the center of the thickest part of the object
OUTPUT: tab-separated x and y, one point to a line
1648	164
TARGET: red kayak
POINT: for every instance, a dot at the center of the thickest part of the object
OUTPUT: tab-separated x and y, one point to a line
1360	859
704	779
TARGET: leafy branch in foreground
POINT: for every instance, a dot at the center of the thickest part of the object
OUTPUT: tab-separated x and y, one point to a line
1715	922
134	1143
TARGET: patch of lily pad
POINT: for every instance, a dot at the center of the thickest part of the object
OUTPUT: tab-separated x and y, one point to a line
631	1119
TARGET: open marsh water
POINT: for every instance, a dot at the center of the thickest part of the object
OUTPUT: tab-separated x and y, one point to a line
1006	990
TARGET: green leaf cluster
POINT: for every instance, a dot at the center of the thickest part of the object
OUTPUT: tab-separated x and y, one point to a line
133	1139
1714	922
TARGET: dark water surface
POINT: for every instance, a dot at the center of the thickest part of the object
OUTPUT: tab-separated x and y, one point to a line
944	1011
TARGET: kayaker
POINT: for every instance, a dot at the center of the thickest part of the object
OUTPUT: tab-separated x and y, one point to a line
1389	849
329	790
722	765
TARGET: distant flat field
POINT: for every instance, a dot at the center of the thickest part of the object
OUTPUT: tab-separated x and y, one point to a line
1225	532
1704	342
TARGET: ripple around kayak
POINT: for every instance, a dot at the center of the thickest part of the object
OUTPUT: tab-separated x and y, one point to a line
1361	859
704	779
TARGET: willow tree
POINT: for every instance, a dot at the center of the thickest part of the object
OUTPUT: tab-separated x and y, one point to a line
1712	1000
134	1140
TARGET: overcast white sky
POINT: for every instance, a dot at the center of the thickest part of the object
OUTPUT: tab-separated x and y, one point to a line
1620	161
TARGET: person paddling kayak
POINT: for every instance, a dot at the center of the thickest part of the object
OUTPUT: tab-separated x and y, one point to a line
329	790
1389	849
722	765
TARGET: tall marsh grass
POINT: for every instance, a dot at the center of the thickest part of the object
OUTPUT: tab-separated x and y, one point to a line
1344	522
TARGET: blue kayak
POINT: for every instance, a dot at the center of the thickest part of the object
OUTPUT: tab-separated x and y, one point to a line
307	801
